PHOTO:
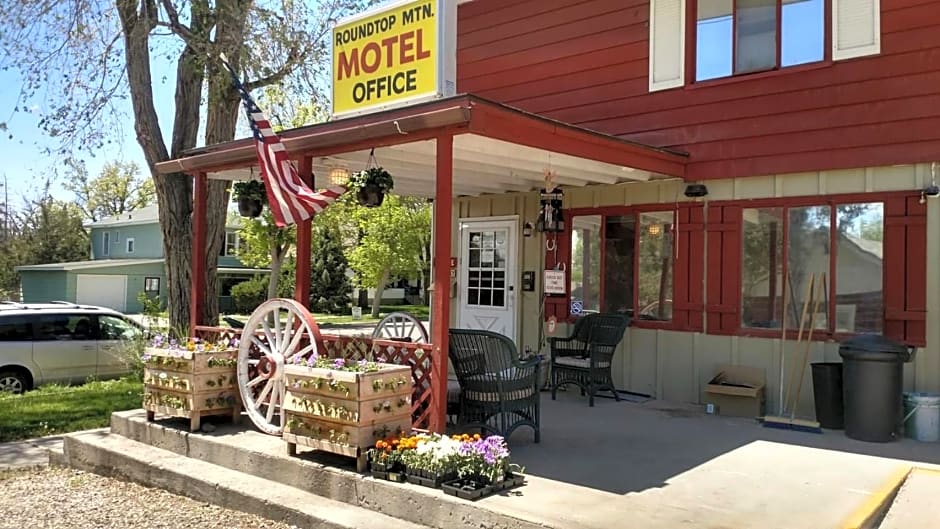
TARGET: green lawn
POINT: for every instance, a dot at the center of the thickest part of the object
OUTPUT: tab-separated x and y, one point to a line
62	409
418	311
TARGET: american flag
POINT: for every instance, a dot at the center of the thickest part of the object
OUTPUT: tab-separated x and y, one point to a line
290	199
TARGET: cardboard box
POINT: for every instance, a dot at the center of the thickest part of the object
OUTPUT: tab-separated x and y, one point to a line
737	391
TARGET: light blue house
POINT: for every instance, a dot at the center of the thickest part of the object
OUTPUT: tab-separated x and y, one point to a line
126	259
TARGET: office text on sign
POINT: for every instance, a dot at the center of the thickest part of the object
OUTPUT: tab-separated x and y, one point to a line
386	58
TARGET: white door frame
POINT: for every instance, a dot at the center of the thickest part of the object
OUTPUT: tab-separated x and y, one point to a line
513	259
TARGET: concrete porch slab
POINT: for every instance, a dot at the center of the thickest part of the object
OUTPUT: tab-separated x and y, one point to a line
614	465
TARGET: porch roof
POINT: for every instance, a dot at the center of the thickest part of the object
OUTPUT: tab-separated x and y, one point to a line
497	149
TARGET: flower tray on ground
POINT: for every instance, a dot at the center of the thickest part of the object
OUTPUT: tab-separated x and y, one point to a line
343	411
428	479
467	488
190	384
511	481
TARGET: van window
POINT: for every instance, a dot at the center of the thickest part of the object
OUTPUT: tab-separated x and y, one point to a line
114	328
64	327
15	329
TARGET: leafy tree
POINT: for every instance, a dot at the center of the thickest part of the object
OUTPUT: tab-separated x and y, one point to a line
118	189
329	286
266	246
51	232
80	57
393	238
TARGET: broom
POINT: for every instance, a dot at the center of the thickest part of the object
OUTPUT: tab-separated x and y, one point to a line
791	423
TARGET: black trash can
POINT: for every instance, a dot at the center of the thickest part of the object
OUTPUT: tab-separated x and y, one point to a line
827	393
872	376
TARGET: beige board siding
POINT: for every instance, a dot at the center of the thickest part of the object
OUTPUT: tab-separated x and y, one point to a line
675	365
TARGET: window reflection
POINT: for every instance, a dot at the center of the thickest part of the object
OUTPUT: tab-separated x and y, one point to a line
586	263
859	267
755	35
762	268
619	239
808	254
655	261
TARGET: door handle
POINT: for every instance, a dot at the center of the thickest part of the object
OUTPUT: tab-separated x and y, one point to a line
511	288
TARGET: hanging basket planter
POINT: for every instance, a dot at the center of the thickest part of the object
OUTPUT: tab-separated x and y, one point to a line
371	186
249	207
250	196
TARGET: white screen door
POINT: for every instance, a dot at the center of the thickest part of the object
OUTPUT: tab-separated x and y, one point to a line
487	276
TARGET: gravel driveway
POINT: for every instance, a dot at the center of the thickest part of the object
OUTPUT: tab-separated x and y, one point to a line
63	498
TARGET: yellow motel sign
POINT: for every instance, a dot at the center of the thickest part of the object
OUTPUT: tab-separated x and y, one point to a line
394	55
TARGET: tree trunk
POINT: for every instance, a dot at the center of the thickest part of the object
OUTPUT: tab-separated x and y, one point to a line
377	301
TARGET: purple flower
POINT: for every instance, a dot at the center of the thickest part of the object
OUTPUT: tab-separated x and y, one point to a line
339	363
362	363
311	362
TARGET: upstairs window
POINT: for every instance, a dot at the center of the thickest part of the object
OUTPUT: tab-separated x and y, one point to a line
734	37
106	243
231	245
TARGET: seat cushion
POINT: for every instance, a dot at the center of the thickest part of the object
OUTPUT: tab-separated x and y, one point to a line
453	391
574	361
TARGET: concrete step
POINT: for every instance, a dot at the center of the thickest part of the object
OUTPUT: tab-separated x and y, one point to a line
250	452
916	504
113	455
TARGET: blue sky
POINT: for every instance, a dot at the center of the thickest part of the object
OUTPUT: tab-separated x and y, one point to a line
25	162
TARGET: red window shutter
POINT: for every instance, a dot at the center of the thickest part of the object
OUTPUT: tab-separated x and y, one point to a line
905	269
724	262
688	290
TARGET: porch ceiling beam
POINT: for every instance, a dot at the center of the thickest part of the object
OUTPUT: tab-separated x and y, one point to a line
518	127
481	165
517	166
501	178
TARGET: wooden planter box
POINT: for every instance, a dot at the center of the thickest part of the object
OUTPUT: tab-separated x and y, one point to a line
344	412
191	384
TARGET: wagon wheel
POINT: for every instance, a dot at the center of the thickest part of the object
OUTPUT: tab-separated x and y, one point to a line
267	344
401	327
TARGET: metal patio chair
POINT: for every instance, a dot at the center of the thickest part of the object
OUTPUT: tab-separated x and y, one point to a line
584	358
498	392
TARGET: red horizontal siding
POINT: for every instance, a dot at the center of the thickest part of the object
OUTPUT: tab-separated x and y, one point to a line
585	62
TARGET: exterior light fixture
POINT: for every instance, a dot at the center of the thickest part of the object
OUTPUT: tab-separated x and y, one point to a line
655	229
528	229
339	176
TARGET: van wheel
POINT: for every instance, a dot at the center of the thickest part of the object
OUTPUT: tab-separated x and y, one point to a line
13	382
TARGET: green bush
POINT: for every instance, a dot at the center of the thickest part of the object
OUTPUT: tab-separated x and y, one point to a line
247	295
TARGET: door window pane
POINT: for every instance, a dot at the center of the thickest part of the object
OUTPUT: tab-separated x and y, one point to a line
486	279
15	329
762	268
655	261
859	267
803	31
619	241
713	38
755	35
808	254
586	262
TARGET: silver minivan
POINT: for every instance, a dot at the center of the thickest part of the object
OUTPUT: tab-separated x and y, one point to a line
62	342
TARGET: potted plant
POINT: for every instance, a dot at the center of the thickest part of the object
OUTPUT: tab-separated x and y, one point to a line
371	186
251	197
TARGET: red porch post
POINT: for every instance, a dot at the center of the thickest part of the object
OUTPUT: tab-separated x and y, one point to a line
302	275
197	281
440	304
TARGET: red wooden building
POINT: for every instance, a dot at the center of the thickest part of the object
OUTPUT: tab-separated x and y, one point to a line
813	125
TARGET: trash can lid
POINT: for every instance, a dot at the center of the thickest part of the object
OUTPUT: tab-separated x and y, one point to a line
874	347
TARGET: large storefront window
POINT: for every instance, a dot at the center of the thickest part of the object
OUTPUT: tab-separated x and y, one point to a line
812	250
623	263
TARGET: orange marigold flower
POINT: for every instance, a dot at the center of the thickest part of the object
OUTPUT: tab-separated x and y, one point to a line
476	437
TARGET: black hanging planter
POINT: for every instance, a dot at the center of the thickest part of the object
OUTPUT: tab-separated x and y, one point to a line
249	207
370	196
371	186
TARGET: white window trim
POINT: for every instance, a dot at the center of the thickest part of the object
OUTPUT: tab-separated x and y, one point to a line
130	245
237	243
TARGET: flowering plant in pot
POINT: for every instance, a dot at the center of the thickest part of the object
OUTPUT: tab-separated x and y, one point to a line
251	197
371	186
433	460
